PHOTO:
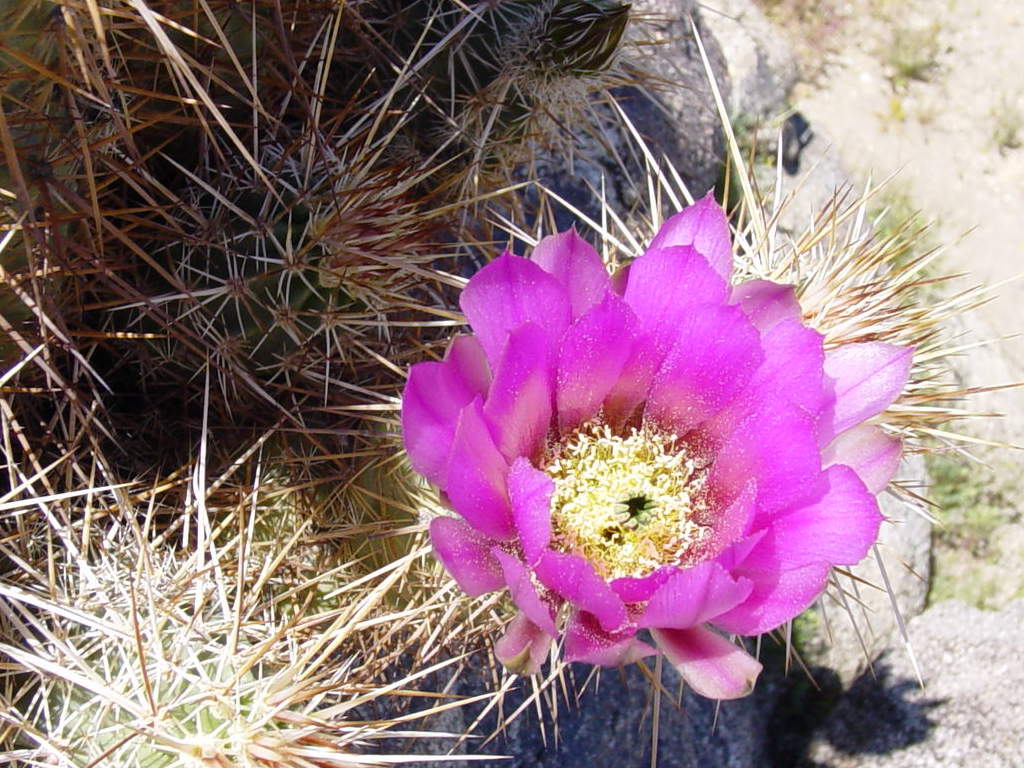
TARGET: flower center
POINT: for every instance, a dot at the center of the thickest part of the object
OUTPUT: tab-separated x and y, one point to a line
627	503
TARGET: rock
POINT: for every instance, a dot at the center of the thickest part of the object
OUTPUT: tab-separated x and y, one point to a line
673	109
867	625
684	126
760	63
969	713
609	725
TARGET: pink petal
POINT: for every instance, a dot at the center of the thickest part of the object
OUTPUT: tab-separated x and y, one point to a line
731	524
530	491
870	452
478	476
434	395
586	641
869	377
664	285
520	399
704	226
509	292
524	593
789	565
708	662
466	357
716	352
593	353
776	598
633	386
633	589
577	266
794	356
839	529
791	371
692	596
776	446
575	579
466	555
523	647
766	303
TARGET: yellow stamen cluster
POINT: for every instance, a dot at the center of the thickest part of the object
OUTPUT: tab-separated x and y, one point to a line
627	503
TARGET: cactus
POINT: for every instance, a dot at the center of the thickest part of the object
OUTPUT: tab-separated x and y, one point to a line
509	74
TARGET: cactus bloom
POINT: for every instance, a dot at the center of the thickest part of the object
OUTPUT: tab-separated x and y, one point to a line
658	450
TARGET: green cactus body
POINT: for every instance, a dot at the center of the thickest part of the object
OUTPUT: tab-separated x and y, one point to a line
507	72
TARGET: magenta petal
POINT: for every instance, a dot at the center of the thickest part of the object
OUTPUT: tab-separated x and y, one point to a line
592	355
524	593
478	476
870	452
789	565
530	491
839	529
794	356
664	285
715	354
576	265
633	589
434	395
791	371
869	377
776	446
704	226
732	524
428	421
523	647
766	303
631	390
776	598
509	292
586	641
466	555
708	662
466	357
692	596
520	399
575	579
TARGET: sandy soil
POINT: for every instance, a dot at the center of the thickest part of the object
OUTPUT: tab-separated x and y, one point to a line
934	90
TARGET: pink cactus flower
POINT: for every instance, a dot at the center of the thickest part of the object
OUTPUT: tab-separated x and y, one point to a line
660	450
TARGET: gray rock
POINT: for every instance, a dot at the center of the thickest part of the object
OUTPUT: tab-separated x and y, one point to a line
761	64
672	108
970	712
609	725
686	127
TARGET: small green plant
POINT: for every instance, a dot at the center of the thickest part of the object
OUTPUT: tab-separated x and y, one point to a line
912	55
1007	126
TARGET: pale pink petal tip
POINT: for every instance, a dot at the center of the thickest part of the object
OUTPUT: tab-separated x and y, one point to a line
575	264
524	646
708	662
870	452
869	376
704	226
